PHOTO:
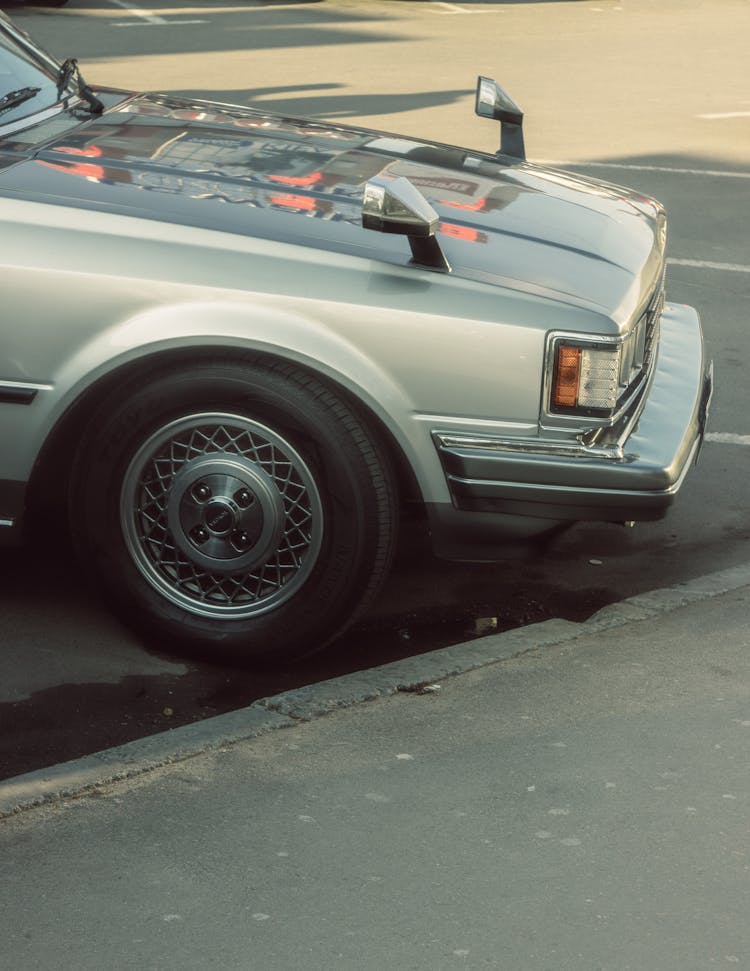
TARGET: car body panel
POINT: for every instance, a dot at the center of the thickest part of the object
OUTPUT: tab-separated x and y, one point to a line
164	225
246	172
642	476
126	315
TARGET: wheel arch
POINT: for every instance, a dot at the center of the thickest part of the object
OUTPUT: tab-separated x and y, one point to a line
48	484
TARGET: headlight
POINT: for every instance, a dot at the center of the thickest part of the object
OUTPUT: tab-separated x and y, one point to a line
598	377
585	377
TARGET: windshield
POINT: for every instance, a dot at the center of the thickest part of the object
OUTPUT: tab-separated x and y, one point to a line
27	80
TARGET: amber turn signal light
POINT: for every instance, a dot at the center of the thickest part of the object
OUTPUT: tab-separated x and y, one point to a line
567	373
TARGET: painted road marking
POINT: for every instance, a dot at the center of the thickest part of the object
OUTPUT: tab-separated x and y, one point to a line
727	438
453	8
147	17
709	265
166	23
141	23
714	173
725	114
137	12
449	8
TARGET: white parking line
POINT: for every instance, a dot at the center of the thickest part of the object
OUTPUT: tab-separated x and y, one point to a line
143	23
725	114
709	265
449	8
630	167
727	438
137	12
147	17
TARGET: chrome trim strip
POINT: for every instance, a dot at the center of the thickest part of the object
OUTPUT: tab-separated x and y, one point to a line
449	440
26	384
485	426
18	393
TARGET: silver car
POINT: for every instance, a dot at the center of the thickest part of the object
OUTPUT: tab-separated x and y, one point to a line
238	345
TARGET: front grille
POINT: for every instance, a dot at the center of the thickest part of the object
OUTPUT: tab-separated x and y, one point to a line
639	348
653	316
609	374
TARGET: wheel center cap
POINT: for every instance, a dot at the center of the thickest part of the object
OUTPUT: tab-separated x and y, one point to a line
219	517
225	513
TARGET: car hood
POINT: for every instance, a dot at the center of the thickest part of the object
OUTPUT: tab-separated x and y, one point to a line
246	171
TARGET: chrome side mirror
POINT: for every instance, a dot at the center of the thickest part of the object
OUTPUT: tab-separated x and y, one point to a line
493	102
397	206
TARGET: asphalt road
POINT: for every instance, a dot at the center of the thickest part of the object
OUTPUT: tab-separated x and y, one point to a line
650	93
583	807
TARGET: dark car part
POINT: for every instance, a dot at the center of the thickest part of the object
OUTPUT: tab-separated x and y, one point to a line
241	508
493	102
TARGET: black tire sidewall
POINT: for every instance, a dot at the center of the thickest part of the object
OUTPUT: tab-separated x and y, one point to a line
325	434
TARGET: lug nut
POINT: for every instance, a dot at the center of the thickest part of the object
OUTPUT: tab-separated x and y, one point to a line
241	538
201	492
244	498
199	534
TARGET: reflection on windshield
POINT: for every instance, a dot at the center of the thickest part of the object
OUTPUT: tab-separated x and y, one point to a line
14	98
25	85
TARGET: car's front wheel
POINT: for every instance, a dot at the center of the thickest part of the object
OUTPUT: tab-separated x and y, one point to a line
238	507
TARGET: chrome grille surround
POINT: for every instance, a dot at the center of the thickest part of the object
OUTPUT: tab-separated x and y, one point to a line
640	344
637	355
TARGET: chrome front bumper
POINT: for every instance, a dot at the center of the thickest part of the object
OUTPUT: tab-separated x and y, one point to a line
636	479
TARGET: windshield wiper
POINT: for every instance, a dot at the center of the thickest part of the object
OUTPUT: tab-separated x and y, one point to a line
14	98
69	70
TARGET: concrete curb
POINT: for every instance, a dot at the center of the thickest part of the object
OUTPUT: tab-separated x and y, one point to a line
303	704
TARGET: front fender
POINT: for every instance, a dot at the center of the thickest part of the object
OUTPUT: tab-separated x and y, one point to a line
216	325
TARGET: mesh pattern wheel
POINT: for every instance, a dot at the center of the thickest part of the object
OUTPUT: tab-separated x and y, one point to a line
233	507
221	515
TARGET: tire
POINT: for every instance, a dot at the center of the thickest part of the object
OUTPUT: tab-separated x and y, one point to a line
235	509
